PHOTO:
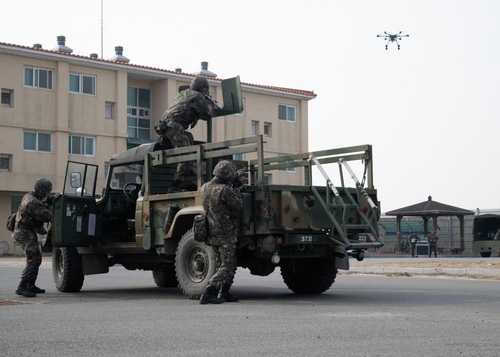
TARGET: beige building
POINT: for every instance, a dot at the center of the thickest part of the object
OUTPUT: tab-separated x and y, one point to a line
57	106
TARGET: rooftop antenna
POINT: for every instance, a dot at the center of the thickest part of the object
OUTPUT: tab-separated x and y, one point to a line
101	29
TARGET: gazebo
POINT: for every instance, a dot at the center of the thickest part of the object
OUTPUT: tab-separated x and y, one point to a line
431	209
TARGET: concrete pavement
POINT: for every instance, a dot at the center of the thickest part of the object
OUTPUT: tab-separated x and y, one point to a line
375	263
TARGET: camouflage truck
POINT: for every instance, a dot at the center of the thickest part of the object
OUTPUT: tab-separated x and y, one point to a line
305	230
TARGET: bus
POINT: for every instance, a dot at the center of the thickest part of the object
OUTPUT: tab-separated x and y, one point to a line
484	232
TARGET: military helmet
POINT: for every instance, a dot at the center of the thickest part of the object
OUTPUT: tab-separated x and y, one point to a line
42	186
225	170
199	84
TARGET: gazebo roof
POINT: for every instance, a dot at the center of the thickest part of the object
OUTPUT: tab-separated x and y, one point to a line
430	208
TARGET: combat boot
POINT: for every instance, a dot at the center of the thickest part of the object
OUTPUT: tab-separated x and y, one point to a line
32	287
226	295
23	290
209	296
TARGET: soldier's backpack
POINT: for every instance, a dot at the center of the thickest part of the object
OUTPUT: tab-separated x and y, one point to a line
200	228
11	222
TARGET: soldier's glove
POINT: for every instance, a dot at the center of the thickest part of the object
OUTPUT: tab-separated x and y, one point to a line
48	201
160	127
240	177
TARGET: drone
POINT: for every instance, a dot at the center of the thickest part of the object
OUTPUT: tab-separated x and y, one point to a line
393	38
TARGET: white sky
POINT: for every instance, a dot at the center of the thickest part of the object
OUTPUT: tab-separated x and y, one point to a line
430	110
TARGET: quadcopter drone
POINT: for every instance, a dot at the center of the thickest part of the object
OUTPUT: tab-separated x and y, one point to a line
393	38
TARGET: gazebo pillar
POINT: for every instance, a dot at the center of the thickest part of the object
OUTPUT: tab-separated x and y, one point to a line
435	224
426	225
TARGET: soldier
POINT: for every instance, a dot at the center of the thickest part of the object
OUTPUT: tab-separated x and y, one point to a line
432	239
497	235
188	107
31	215
413	241
221	199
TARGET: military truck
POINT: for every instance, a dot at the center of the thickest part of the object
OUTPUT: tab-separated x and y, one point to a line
305	230
484	232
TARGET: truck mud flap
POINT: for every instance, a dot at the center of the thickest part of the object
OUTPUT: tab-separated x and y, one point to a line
95	264
341	258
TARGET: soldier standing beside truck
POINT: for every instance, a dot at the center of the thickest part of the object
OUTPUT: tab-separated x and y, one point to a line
30	216
189	106
222	202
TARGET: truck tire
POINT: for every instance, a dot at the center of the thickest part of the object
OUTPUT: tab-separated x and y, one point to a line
485	254
164	276
67	269
310	276
195	264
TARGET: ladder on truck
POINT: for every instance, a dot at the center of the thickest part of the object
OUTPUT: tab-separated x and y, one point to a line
336	203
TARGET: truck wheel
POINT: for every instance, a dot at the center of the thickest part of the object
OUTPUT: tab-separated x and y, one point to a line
195	264
164	276
67	269
310	276
485	254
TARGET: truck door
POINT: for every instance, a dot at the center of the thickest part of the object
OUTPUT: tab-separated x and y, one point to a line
76	222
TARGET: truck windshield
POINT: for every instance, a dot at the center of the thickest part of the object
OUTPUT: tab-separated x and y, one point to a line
121	175
486	226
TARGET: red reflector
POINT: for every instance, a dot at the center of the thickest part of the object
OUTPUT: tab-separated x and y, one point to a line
365	209
287	208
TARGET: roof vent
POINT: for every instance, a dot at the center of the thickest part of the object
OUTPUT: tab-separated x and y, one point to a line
61	45
178	70
118	57
93	55
204	70
37	45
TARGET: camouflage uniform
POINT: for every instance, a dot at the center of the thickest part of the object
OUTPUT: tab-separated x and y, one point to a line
432	239
413	241
222	204
31	215
188	107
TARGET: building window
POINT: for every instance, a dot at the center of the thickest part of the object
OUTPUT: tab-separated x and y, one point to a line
38	77
109	110
254	130
267	129
268	179
82	83
138	113
289	169
286	112
244	106
7	96
239	157
37	141
81	145
106	169
5	162
15	202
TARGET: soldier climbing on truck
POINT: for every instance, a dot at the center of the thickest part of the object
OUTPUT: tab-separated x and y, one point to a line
304	230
